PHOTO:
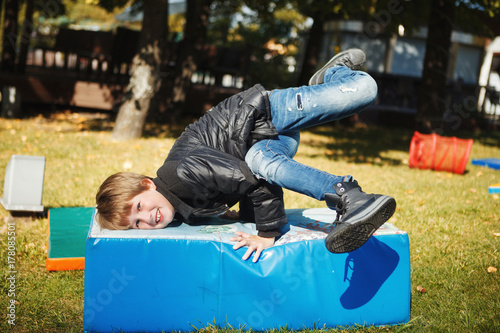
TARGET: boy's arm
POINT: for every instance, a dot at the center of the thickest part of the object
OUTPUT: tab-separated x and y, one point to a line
254	243
264	206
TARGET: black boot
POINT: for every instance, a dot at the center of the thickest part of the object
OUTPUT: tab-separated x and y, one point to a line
358	216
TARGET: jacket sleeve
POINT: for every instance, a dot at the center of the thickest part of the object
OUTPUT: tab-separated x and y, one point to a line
264	205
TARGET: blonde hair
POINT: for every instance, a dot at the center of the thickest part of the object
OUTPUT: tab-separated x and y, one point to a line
114	199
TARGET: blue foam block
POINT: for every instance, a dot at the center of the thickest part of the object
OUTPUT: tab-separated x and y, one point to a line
186	277
493	189
493	163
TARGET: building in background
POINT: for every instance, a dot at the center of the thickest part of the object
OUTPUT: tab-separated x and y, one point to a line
396	62
489	80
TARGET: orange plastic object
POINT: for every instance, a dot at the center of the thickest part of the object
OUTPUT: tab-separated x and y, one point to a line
432	151
64	264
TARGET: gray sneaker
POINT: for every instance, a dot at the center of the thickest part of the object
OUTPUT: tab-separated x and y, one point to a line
352	58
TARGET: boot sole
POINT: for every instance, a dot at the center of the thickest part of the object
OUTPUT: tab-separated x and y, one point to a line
353	234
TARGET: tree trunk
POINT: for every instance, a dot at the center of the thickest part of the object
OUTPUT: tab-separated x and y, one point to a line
145	77
190	51
432	93
313	49
25	36
9	42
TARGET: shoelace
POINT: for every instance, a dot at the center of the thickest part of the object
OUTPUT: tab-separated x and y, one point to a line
341	209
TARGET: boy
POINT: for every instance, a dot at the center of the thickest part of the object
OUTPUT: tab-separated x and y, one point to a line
242	151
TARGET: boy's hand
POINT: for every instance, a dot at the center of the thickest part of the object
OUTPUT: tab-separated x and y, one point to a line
254	243
230	215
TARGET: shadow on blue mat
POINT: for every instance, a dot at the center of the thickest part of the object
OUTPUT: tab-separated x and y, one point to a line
366	272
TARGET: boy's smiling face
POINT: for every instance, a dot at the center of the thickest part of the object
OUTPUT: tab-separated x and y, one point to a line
150	210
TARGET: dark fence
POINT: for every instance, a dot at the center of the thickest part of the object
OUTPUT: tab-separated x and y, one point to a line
107	56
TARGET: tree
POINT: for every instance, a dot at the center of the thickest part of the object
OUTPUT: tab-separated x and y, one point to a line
268	34
222	15
145	72
25	36
190	51
16	43
431	96
9	40
321	12
473	16
313	49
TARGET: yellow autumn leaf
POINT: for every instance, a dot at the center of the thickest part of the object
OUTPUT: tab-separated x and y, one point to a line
492	269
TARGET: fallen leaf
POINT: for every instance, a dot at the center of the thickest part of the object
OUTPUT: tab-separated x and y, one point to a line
472	190
421	202
421	289
492	269
410	191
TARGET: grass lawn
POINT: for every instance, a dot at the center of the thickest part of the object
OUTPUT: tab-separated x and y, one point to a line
452	221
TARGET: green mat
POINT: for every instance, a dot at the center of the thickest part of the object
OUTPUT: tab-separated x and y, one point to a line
67	233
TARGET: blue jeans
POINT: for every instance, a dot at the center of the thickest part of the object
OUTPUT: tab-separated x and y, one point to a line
344	93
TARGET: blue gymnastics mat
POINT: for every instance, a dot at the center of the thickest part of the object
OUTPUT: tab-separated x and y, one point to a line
67	233
187	277
493	189
493	163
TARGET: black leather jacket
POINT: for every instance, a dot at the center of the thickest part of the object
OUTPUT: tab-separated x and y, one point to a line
205	172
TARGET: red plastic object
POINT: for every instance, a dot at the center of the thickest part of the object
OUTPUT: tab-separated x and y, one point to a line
432	151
